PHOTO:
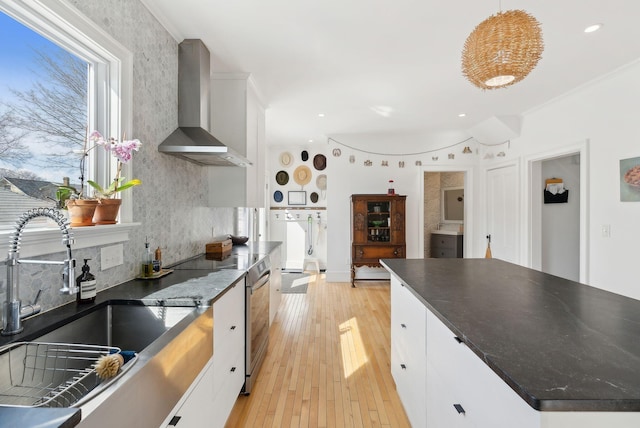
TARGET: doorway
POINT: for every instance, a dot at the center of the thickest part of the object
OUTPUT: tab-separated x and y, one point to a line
435	185
558	231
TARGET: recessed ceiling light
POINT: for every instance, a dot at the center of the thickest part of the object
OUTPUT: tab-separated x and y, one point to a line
320	114
592	28
462	115
311	141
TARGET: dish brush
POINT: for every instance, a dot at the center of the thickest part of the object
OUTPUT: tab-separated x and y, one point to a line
109	365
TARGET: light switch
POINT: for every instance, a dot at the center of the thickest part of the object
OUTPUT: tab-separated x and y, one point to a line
606	231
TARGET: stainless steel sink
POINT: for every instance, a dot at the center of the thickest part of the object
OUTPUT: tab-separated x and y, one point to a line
129	327
56	369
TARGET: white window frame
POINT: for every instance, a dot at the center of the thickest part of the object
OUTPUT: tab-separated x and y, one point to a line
110	96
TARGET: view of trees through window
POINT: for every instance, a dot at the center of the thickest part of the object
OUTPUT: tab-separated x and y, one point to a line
43	111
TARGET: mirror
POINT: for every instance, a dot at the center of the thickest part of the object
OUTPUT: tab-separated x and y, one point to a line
452	205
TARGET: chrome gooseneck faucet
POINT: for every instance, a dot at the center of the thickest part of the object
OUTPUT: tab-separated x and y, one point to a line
13	312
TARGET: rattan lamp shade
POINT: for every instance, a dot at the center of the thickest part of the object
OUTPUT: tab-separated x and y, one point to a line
502	50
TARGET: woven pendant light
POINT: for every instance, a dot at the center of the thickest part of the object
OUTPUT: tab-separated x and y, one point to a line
502	50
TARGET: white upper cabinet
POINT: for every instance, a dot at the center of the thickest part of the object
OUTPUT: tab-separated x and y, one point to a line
238	120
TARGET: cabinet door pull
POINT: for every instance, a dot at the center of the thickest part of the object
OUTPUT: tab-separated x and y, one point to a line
174	420
233	369
403	367
457	339
233	327
403	325
459	408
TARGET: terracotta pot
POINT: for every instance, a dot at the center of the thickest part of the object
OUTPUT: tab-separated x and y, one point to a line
81	211
107	211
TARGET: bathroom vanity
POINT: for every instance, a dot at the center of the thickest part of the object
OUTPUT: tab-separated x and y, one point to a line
446	244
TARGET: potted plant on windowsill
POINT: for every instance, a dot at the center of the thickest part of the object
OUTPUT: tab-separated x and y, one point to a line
108	206
102	208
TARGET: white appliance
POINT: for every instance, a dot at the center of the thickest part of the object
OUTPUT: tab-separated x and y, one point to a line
303	233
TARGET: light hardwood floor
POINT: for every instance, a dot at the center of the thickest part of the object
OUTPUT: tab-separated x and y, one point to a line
328	362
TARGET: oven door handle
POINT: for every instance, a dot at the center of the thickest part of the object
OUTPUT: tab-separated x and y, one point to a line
261	282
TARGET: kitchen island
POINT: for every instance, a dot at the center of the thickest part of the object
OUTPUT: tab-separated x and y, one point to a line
197	288
571	352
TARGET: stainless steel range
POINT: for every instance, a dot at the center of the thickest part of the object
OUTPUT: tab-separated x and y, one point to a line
257	319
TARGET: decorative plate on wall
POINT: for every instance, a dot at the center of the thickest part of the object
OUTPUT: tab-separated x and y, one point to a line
282	178
277	196
304	155
313	197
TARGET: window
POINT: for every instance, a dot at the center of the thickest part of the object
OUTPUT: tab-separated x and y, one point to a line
107	67
44	110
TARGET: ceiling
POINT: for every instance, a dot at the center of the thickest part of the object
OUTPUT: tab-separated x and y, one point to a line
390	70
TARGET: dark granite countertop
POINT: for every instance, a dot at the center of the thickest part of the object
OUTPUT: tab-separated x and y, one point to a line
179	288
559	344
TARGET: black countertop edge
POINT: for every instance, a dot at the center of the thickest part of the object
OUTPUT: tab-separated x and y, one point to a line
603	404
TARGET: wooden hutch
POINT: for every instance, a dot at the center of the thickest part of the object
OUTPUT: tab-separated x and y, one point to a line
377	230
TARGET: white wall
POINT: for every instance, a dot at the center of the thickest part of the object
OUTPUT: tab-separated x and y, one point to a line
605	113
354	178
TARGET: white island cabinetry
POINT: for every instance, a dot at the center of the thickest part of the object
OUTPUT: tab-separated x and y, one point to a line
408	351
443	383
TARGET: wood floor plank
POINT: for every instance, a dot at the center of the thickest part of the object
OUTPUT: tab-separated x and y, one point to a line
328	362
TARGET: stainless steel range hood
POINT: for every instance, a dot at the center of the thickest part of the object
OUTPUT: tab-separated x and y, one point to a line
192	141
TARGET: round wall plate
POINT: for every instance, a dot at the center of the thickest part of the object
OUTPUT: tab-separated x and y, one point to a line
277	196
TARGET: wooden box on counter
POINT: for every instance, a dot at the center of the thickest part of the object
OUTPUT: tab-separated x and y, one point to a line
377	229
219	248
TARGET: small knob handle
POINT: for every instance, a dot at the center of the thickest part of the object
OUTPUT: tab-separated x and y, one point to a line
233	369
395	252
403	325
403	367
233	327
457	339
459	409
361	253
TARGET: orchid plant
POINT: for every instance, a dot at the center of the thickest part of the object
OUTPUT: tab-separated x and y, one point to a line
123	152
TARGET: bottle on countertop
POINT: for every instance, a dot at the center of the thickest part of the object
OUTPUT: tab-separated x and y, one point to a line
147	261
157	260
86	283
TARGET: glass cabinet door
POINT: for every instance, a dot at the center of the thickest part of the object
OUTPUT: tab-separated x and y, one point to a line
378	221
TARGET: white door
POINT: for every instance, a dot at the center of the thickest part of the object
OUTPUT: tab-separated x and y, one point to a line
503	213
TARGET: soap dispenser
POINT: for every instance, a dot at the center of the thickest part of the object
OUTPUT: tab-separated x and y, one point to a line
86	284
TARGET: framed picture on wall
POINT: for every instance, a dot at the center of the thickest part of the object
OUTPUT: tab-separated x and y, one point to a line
630	180
297	198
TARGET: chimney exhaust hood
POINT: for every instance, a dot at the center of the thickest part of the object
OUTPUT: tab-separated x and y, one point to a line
192	141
